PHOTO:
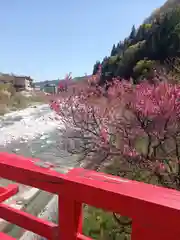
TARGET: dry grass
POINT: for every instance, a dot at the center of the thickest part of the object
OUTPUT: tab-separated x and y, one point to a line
10	100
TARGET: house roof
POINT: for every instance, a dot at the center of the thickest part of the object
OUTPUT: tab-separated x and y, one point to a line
9	78
25	77
6	78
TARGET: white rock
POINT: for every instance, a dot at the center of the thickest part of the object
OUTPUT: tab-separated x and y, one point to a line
30	126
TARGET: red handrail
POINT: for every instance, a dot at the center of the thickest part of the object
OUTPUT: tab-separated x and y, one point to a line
9	191
4	236
155	210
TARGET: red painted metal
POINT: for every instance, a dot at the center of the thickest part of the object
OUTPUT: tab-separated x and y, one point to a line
4	236
9	191
29	222
155	211
82	237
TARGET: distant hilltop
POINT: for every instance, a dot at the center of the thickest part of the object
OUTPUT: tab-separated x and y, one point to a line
55	82
166	7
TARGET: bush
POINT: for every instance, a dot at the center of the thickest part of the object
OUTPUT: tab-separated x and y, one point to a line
99	224
136	128
144	69
19	101
138	123
12	100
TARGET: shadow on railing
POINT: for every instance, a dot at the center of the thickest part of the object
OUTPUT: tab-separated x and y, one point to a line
155	211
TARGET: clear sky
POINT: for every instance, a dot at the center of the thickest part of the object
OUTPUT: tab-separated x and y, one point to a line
48	38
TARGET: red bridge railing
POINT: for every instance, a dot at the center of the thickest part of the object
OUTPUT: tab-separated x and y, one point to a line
155	211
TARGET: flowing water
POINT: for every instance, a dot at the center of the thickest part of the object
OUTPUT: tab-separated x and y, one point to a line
34	132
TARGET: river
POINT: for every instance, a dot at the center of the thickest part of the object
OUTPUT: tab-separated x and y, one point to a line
34	132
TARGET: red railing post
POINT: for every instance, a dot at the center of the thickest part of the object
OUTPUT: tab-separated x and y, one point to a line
145	232
70	218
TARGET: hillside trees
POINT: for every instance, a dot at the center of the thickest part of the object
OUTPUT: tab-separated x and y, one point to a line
154	41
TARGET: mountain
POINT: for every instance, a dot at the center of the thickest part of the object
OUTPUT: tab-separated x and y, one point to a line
166	7
42	83
146	48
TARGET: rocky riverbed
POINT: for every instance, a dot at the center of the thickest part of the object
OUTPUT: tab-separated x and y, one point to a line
34	132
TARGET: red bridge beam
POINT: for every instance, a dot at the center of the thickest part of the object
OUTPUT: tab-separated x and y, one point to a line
29	222
155	211
7	192
3	236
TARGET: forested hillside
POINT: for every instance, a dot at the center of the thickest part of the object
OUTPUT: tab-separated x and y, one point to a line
146	48
168	6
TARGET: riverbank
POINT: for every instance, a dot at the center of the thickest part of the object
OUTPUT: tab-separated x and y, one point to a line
18	100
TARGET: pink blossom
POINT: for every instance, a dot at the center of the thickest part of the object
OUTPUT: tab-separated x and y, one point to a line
129	114
161	166
104	134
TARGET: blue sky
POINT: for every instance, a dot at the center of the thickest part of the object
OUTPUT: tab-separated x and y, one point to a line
48	38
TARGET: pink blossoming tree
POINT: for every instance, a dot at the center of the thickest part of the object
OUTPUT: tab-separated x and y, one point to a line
137	123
